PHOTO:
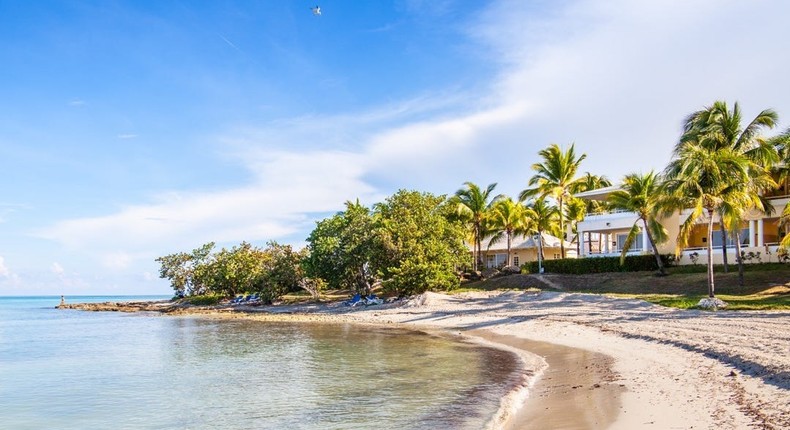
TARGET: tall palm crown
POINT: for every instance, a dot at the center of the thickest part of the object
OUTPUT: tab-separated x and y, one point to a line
507	220
639	193
473	205
555	177
718	127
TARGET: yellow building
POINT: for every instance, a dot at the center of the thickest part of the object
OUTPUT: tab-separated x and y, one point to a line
603	234
523	249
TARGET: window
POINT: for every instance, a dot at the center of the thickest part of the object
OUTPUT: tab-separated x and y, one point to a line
515	260
730	238
556	256
636	245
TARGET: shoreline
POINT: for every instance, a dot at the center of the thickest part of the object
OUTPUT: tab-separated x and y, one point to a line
637	365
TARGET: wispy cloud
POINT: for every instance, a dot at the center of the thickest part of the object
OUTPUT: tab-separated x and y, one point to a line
231	44
127	136
77	102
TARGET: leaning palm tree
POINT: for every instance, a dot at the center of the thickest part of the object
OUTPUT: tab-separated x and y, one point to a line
702	178
546	220
509	219
472	206
555	177
718	127
639	193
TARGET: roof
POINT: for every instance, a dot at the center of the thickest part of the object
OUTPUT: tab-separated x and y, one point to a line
597	194
521	242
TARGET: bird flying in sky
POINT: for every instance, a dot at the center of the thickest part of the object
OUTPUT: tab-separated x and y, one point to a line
316	10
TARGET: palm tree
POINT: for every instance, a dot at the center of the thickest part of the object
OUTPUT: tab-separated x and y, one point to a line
555	177
702	178
545	217
575	210
639	193
509	219
718	127
472	206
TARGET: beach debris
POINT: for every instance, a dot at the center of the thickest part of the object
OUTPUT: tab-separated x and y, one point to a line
316	10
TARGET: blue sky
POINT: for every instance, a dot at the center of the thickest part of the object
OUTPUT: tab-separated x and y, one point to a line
133	129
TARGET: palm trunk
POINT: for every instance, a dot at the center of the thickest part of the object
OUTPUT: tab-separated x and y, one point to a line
479	253
724	248
655	250
738	257
710	255
479	246
562	230
508	249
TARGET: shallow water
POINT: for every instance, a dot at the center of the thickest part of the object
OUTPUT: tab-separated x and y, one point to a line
73	370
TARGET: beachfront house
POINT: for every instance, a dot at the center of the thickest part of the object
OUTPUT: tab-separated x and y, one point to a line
523	249
603	234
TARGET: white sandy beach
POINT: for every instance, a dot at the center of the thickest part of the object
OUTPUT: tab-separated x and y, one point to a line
629	365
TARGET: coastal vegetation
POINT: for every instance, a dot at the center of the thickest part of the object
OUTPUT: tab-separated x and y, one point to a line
415	241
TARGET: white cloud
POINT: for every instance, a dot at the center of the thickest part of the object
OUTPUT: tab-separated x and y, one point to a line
4	271
127	136
77	102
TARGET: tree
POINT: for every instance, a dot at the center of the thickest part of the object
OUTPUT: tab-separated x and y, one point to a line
545	217
179	268
234	271
419	246
701	178
472	205
340	249
555	177
639	193
782	143
718	127
575	210
507	220
281	272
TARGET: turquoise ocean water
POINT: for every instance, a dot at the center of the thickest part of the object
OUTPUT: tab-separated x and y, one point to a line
70	369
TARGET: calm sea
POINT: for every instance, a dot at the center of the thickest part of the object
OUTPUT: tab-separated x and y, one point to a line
70	369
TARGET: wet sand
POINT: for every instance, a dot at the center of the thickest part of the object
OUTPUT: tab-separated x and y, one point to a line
576	390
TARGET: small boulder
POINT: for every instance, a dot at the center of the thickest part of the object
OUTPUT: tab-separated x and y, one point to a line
712	304
511	270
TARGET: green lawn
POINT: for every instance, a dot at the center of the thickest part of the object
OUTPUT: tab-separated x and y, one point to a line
766	286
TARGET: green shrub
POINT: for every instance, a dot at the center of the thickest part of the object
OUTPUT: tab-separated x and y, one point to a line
582	266
204	300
